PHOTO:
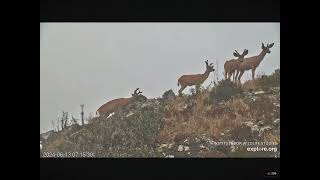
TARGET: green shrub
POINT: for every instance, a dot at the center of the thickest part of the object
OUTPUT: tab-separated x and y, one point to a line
273	80
224	90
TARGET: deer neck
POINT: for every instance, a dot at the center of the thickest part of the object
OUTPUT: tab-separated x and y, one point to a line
261	56
205	75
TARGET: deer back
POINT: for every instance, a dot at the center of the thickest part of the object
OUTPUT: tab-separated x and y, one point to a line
249	63
113	105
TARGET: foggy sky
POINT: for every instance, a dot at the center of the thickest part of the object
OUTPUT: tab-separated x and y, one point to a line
92	63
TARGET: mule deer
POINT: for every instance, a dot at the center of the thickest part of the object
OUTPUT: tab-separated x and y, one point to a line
252	62
230	66
195	79
113	105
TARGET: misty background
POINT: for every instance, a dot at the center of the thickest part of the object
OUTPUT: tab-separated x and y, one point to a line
92	63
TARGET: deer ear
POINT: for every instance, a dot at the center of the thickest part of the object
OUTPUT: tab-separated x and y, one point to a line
263	47
270	46
245	52
235	54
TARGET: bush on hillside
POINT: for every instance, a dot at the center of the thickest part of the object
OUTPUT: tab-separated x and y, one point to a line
273	80
224	90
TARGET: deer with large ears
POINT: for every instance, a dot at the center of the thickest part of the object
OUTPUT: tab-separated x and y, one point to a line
195	79
111	106
251	63
230	66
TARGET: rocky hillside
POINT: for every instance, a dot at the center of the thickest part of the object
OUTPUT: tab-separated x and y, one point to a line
216	122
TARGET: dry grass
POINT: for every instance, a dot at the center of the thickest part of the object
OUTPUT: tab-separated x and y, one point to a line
250	85
264	109
200	118
271	137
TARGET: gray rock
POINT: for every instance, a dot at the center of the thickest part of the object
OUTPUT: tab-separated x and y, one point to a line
265	128
164	145
261	123
249	123
180	148
276	104
277	121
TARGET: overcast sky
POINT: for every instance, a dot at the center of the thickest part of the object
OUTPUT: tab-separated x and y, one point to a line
92	63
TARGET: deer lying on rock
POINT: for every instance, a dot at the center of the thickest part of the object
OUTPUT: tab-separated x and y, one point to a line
230	66
251	63
195	79
111	106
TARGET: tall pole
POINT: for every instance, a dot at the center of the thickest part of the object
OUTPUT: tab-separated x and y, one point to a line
82	105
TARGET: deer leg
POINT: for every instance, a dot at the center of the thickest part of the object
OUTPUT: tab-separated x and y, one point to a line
237	73
226	74
234	76
181	89
253	72
239	78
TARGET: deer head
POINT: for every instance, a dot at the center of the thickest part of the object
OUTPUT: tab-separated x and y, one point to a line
135	93
240	56
267	48
209	67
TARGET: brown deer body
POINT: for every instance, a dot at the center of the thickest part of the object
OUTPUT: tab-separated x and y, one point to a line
113	105
230	66
251	63
194	79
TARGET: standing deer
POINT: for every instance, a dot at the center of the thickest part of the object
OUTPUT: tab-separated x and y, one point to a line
252	62
230	66
195	79
113	105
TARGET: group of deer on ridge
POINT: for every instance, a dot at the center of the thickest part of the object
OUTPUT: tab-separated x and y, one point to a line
233	67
